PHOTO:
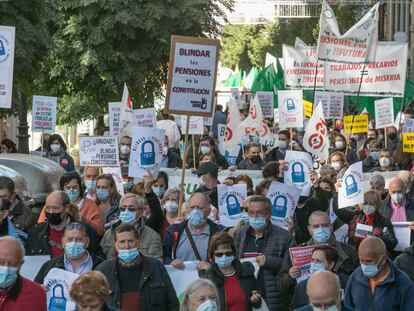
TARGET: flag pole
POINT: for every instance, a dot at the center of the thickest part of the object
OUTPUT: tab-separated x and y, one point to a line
357	102
181	199
314	82
291	138
194	150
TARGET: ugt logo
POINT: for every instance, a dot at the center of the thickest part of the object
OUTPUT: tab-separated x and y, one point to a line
203	103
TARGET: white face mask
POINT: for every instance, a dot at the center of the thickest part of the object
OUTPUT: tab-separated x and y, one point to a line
171	206
339	144
164	151
125	149
397	197
384	162
336	166
55	147
204	149
208	305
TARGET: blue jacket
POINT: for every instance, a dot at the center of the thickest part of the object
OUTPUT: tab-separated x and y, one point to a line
395	293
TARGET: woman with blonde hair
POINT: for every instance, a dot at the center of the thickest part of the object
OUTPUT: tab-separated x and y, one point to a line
200	295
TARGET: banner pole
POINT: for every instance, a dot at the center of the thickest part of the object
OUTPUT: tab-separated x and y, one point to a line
385	137
194	150
360	84
291	138
314	82
181	200
41	140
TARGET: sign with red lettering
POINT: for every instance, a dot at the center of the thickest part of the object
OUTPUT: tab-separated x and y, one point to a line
192	76
385	77
7	36
44	114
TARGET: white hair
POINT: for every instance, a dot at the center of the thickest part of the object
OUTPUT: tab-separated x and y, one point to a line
16	241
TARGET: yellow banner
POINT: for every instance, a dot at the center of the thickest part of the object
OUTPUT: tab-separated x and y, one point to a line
359	124
408	142
308	107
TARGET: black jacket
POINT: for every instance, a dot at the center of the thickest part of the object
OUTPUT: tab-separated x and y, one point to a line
245	276
58	262
157	217
155	288
212	194
174	160
405	261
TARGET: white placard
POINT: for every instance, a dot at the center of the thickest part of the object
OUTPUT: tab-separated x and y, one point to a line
114	109
290	108
7	40
300	165
333	103
146	117
196	126
408	126
192	76
32	265
403	235
230	199
59	282
146	152
384	113
44	114
284	200
352	190
98	151
117	175
363	230
266	100
180	279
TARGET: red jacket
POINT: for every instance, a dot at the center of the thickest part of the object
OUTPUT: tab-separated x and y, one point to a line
25	295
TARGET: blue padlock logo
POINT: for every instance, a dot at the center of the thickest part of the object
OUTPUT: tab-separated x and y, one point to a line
2	49
290	104
147	153
351	186
57	303
298	173
233	208
279	206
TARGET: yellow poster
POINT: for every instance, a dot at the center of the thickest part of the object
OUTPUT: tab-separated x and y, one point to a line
308	107
359	124
408	142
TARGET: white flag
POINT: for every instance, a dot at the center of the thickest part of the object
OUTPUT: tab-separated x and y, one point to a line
127	114
316	139
252	125
232	136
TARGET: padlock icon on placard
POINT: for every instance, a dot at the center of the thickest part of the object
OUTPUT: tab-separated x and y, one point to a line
298	175
147	153
57	303
279	206
350	187
2	49
290	104
233	208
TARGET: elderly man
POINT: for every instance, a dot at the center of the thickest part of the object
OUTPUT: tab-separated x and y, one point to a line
137	282
131	211
17	292
378	284
324	292
189	239
76	259
377	182
90	173
269	244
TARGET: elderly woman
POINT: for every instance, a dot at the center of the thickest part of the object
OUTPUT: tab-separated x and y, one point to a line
90	292
200	295
339	163
234	280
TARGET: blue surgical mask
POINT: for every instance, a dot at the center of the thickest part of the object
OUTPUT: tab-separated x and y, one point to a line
128	255
90	184
127	217
371	271
321	235
128	185
208	305
223	261
102	194
196	218
73	194
282	144
257	223
374	155
159	191
317	267
74	250
8	276
245	217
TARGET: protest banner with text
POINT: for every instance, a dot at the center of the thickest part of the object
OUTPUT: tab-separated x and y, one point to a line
7	40
44	114
98	151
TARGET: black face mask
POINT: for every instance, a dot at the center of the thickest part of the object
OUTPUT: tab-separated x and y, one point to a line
54	218
392	136
255	159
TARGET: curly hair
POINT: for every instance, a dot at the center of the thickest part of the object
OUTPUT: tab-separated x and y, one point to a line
89	286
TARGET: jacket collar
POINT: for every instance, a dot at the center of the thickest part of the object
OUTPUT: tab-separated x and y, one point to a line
363	280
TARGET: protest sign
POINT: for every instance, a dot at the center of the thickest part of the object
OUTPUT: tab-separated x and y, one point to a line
384	78
300	165
196	126
270	140
290	108
181	278
114	109
233	136
32	265
408	142
44	114
300	68
146	152
403	235
266	100
341	234
356	46
7	37
408	126
358	123
352	190
230	199
231	155
333	103
308	108
146	117
98	151
384	113
59	282
302	257
362	230
284	199
192	76
117	175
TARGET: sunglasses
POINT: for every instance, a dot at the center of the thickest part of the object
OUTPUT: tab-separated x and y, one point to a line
75	225
220	254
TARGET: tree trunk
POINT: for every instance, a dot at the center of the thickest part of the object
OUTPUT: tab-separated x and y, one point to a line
23	136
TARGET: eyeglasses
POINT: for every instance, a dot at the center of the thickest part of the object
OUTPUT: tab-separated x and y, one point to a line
75	225
220	254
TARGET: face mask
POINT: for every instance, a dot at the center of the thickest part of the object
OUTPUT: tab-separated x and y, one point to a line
102	194
90	184
384	162
282	144
164	151
55	148
125	149
74	250
339	144
245	217
374	155
73	194
368	209
255	159
8	276
127	217
196	218
370	270
128	255
392	136
397	197
208	305
336	166
317	267
159	191
257	223
204	149
223	261
321	235
128	185
380	137
171	206
54	218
